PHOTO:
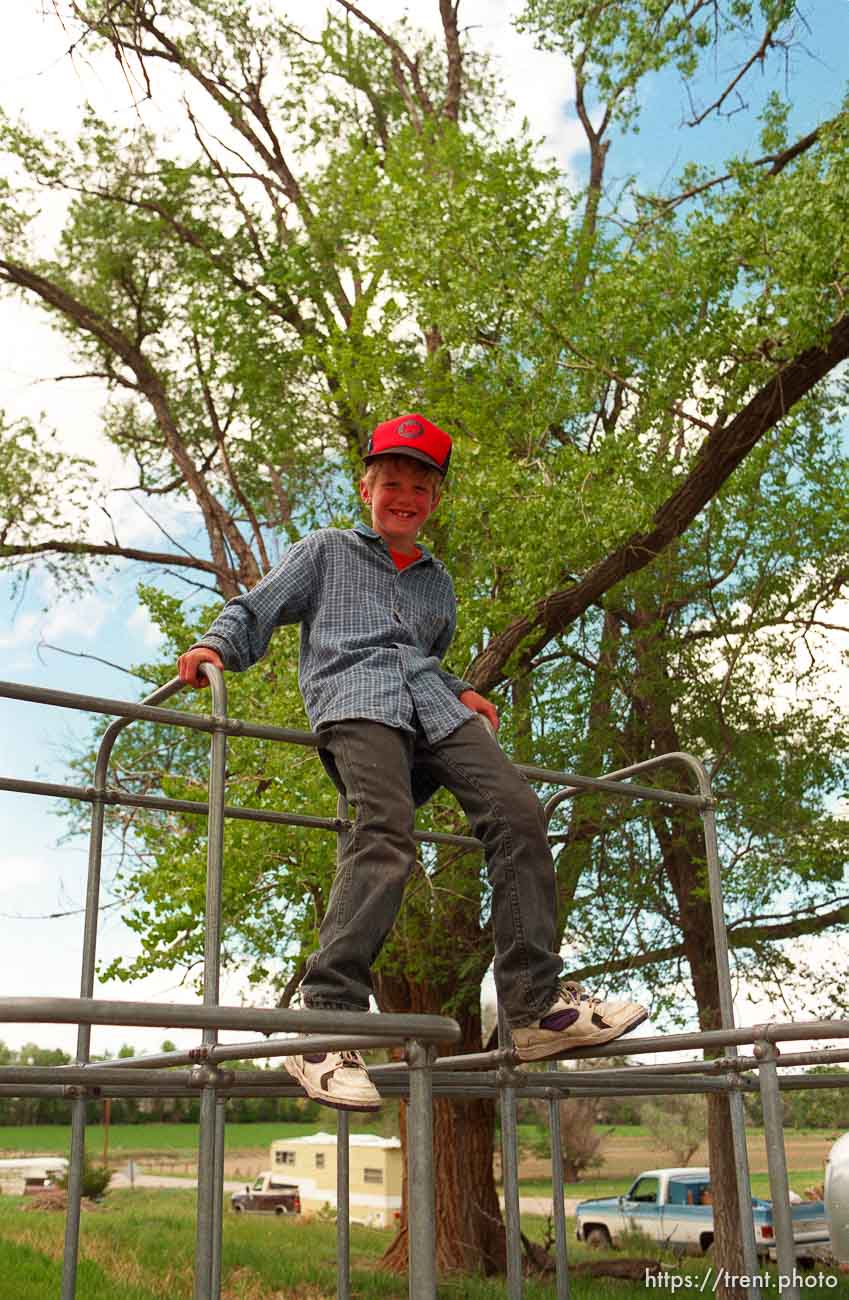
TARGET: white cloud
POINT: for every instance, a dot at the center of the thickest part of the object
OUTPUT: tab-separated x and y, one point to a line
21	633
82	618
143	629
20	877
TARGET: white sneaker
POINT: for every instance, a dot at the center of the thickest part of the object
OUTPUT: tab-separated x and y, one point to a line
338	1079
575	1019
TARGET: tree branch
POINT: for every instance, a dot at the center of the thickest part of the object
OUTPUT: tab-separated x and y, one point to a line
399	54
741	937
219	523
758	57
777	162
221	438
239	106
448	14
11	550
83	654
721	452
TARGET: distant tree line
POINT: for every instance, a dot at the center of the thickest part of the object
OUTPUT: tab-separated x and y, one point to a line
810	1108
19	1111
678	1125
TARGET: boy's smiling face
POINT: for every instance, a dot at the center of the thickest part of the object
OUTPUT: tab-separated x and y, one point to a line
401	496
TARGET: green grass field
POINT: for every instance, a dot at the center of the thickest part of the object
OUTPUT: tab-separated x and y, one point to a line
140	1139
140	1246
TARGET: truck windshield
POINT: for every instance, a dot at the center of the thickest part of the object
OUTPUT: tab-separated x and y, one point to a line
645	1190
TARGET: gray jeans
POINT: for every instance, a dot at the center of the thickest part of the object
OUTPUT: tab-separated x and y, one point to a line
376	857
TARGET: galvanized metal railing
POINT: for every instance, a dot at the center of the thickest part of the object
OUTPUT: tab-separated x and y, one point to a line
421	1074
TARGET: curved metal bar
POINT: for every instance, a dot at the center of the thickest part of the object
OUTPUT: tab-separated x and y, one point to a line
146	712
457	1076
92	906
605	783
236	727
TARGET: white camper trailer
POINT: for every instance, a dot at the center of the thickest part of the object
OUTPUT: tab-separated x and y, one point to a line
375	1174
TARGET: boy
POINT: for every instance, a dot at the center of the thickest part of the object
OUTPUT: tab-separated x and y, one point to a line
377	615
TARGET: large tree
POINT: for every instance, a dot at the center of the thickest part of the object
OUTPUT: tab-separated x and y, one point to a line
340	232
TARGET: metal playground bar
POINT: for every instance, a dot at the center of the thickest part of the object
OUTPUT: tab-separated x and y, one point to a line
421	1075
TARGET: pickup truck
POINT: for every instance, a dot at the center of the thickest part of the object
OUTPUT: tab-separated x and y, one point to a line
673	1206
268	1195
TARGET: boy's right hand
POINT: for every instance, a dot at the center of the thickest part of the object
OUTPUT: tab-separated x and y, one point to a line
189	663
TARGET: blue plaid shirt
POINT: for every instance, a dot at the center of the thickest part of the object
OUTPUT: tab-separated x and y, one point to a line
372	637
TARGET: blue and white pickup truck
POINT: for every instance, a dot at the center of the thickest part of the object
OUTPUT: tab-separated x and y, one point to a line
673	1206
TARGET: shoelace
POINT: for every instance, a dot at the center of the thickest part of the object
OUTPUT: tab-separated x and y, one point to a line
577	993
350	1059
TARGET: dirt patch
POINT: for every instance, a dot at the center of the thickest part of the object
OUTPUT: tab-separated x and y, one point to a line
627	1156
240	1166
56	1198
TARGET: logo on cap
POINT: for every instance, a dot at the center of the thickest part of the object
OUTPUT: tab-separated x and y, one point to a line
410	429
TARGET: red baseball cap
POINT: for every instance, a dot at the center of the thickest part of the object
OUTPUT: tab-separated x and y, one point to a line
411	435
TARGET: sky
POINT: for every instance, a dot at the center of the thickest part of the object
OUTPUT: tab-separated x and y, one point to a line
42	875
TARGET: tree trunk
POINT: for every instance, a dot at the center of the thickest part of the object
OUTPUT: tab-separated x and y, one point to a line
679	834
685	866
470	1234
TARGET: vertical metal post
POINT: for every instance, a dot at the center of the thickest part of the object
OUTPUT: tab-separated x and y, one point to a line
343	1206
510	1167
343	1170
777	1165
558	1192
87	972
204	1228
421	1210
218	1204
75	1171
726	1008
92	903
208	1222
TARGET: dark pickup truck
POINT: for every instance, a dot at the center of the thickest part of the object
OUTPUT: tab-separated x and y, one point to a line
267	1196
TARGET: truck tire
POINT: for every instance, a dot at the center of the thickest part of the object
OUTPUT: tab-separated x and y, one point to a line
597	1238
278	1210
706	1242
238	1209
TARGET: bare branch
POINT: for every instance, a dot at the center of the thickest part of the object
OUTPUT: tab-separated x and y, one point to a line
775	161
598	156
219	523
82	654
673	408
11	550
221	439
399	53
198	586
758	57
740	935
240	107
